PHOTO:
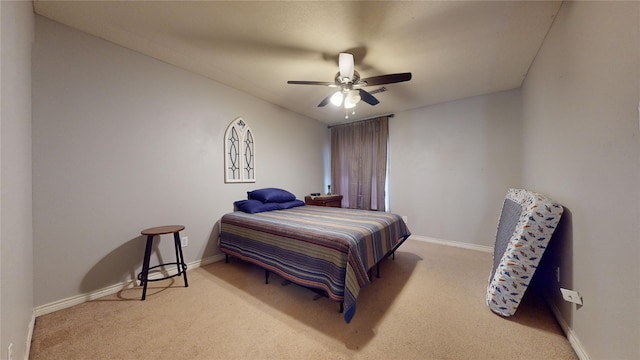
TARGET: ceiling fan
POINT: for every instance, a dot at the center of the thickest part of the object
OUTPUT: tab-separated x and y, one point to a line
350	84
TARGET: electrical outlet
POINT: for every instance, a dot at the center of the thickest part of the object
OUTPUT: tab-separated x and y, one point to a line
10	352
184	241
571	296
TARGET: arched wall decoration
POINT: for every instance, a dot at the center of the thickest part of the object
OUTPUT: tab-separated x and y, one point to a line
239	152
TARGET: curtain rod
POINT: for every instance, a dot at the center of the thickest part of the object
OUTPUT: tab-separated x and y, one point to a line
353	122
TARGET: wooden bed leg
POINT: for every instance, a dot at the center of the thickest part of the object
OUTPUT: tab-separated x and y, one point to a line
266	277
341	307
378	270
393	255
226	258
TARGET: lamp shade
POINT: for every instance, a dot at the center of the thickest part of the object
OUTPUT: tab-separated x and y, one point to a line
336	99
352	98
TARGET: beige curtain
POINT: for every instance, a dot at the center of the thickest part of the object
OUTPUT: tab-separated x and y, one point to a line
359	163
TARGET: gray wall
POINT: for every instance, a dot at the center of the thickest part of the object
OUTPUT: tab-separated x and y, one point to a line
122	142
451	164
16	238
581	148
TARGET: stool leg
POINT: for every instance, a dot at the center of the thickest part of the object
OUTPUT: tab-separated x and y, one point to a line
144	275
182	267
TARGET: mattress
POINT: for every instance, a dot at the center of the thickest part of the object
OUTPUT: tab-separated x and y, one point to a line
527	222
331	249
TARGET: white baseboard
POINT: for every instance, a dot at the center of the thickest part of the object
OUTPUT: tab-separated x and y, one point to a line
82	298
571	336
32	324
482	248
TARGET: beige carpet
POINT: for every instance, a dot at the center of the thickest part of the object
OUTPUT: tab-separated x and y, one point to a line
429	303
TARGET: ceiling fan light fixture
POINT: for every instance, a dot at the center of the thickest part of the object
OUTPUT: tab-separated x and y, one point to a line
336	99
352	99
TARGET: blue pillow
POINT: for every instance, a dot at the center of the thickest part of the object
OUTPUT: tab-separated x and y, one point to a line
255	206
268	195
290	204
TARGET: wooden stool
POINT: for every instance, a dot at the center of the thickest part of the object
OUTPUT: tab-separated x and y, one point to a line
180	264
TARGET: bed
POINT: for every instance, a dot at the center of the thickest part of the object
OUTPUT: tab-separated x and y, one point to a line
328	249
526	224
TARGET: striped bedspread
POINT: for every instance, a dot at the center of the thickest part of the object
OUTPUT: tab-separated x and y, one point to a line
319	247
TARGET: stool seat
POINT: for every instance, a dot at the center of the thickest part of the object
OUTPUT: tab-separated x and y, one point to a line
161	230
143	276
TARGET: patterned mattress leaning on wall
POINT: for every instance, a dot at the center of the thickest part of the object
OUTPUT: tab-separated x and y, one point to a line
526	224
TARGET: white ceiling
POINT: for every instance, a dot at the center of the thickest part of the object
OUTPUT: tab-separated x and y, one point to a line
454	49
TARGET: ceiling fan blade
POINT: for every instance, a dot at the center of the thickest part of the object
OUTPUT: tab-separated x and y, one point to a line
345	64
325	101
387	79
302	82
368	98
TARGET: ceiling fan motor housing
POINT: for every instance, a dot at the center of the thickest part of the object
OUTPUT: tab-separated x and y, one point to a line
345	81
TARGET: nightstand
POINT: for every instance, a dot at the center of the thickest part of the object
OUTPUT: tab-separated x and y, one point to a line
324	200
